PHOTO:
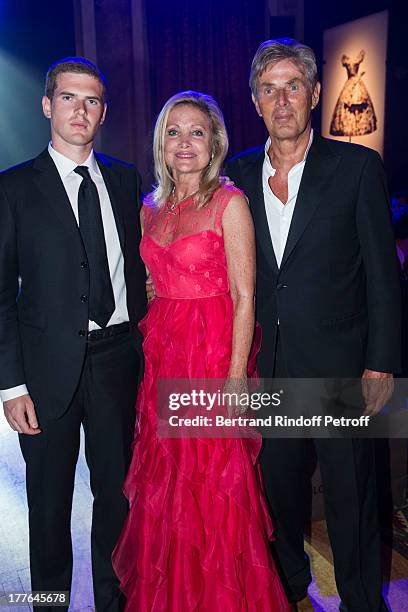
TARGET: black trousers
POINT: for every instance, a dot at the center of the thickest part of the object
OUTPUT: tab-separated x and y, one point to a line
348	477
104	404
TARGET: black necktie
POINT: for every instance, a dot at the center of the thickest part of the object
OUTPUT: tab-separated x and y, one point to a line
101	298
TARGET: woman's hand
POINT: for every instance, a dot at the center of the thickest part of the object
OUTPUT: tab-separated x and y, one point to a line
237	388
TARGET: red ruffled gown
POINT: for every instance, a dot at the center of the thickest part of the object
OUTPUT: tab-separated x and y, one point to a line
198	530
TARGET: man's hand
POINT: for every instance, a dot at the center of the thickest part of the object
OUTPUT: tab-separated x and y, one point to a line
150	290
226	181
377	389
21	416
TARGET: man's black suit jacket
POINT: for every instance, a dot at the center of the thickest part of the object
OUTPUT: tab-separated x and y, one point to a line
42	319
336	293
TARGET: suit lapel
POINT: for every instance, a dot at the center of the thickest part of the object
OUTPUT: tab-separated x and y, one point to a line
113	185
252	179
320	167
50	185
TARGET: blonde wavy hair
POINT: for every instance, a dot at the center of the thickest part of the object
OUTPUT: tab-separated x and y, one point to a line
210	179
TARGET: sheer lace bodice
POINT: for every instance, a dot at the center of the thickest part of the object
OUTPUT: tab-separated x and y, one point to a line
183	249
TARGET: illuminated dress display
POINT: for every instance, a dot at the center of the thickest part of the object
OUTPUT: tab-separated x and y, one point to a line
354	113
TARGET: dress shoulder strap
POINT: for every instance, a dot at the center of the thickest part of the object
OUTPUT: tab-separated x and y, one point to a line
223	197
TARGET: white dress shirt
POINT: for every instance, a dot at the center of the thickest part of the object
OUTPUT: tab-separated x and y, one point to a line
72	181
279	214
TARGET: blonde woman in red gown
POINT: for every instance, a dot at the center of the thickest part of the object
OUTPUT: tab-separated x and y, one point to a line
197	534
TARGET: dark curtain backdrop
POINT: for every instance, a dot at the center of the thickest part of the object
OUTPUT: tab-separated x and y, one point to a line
112	34
151	49
115	51
208	46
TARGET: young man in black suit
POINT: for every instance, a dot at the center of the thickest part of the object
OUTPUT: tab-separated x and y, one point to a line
72	290
328	303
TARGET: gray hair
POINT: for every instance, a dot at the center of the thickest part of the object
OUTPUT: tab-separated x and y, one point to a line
275	50
219	146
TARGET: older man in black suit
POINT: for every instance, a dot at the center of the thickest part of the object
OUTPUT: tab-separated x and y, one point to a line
328	302
72	290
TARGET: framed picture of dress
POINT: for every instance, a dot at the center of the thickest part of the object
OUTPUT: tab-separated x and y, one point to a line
353	84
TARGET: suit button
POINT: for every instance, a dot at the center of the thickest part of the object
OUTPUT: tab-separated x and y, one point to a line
280	286
82	332
84	265
84	298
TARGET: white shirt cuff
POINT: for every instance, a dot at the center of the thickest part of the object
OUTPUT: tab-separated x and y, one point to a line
9	394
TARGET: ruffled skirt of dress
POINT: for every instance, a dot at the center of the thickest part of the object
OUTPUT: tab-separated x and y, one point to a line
198	530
